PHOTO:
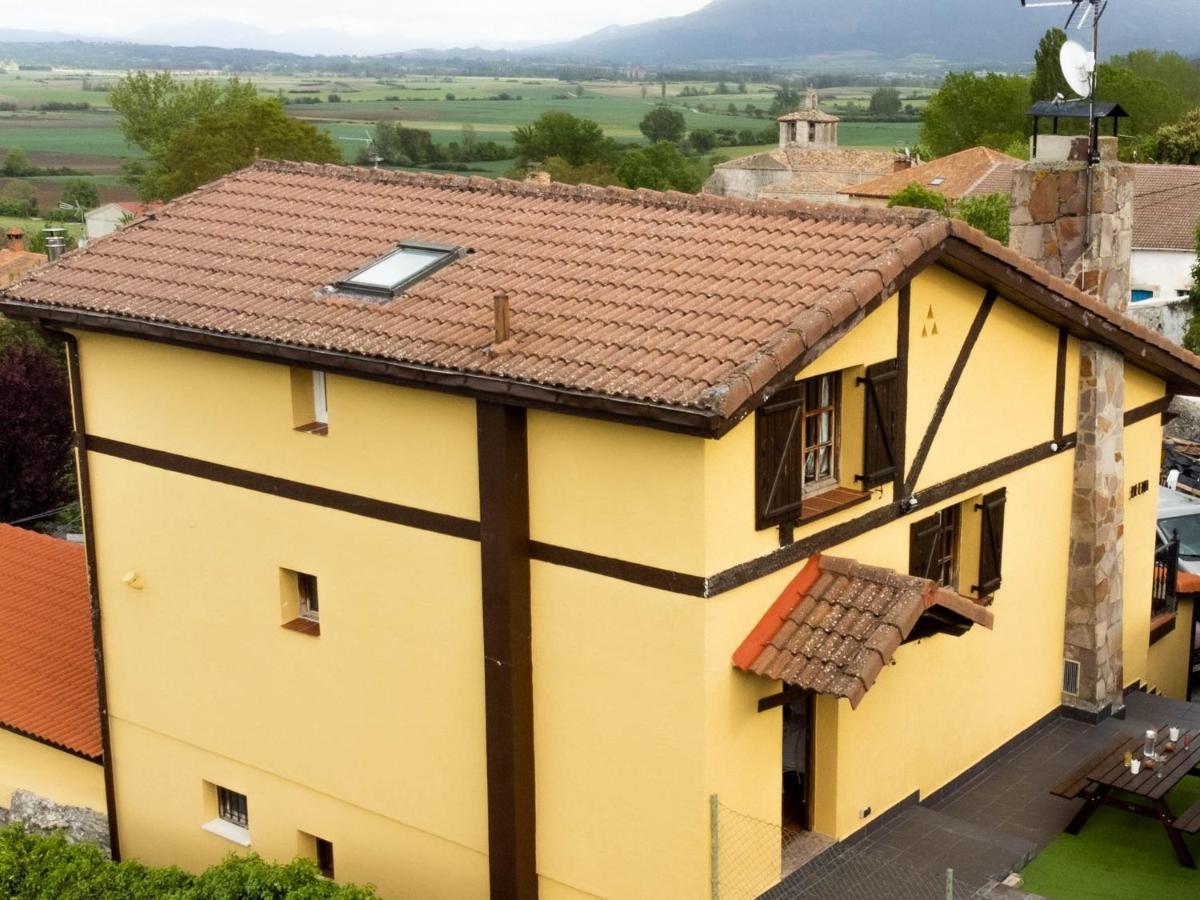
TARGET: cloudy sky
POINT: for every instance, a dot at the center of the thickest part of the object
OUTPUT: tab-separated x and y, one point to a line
369	24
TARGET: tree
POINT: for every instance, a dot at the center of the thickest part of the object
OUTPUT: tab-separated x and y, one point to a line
556	133
1178	143
970	110
1048	81
885	101
16	163
598	174
1191	340
660	167
81	193
918	197
989	214
663	124
20	198
702	140
787	99
1167	67
222	142
35	432
1151	104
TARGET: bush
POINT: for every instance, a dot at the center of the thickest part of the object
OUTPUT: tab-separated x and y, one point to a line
918	197
48	868
989	214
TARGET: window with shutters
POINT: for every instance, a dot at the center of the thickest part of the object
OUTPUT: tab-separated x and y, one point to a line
797	436
933	547
991	542
879	424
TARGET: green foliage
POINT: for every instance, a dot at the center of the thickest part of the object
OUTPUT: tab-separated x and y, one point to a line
885	101
221	142
16	163
989	214
17	198
36	242
660	167
663	124
1178	143
81	193
48	868
971	110
557	133
1151	103
705	139
918	197
1048	80
1191	340
154	107
1167	67
787	99
599	174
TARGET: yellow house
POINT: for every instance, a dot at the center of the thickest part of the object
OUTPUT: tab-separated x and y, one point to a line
49	721
460	534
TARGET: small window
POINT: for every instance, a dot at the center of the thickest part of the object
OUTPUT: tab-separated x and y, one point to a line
310	401
812	132
797	435
933	548
392	274
300	604
232	807
325	857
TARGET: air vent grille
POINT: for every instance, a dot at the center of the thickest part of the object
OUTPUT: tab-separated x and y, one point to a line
1071	677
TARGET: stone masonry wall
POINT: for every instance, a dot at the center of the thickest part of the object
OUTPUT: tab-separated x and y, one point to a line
42	816
1095	596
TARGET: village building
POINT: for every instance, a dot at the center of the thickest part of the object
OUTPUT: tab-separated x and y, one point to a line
808	165
104	220
49	716
968	173
482	538
15	260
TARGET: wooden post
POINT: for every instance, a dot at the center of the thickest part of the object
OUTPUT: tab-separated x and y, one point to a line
714	816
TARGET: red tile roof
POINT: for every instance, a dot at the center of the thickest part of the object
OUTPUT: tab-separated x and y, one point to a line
959	175
687	305
1166	207
838	623
47	671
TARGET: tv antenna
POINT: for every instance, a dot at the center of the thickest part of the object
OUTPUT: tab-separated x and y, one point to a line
372	154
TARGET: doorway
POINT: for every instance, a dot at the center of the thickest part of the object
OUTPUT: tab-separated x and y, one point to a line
798	714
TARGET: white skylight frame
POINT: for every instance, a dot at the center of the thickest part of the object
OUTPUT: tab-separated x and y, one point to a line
392	274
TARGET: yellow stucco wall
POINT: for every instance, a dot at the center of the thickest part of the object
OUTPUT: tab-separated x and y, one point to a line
1168	660
66	779
1143	449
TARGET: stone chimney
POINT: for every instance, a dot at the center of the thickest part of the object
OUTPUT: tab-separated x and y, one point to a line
15	240
1049	224
537	176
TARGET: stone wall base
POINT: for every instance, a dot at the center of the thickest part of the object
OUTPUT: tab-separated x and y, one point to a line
42	816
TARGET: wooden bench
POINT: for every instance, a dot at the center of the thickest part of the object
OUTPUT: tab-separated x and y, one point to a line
1188	821
1076	784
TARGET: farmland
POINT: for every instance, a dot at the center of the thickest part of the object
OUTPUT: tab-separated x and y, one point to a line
89	139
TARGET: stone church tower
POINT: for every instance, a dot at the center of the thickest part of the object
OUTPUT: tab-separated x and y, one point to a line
809	128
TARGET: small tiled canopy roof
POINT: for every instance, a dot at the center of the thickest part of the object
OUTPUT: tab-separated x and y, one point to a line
957	175
47	672
660	307
838	623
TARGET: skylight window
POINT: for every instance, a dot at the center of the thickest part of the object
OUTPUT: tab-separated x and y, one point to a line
399	270
938	182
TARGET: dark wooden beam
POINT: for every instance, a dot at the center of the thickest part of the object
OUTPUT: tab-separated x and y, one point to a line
507	650
943	402
903	334
89	532
1060	384
788	695
1148	410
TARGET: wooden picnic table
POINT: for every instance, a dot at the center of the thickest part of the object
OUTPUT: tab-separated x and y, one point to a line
1145	793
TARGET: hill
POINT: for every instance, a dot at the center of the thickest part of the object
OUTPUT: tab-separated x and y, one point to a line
975	32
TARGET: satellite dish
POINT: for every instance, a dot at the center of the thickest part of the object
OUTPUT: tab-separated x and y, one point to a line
1077	67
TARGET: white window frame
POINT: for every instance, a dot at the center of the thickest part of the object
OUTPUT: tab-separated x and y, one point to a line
320	399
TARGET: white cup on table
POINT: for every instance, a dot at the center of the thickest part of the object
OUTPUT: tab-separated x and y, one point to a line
1135	766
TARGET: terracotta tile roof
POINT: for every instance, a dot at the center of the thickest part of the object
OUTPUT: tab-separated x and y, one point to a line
47	672
678	305
1166	207
838	623
960	173
809	115
15	263
799	159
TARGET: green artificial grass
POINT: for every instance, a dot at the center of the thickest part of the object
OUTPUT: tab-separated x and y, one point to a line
1118	855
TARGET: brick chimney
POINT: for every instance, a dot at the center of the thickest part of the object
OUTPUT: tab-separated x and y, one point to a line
1049	224
15	240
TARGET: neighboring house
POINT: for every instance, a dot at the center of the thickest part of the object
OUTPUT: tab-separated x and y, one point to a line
808	165
967	173
15	260
104	220
469	536
49	716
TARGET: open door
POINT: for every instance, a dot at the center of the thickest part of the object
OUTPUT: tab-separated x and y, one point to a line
798	715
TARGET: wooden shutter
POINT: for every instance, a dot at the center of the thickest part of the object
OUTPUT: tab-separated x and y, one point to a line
991	542
923	548
879	424
780	472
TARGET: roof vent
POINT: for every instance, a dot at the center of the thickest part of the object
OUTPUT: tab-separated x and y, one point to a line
391	275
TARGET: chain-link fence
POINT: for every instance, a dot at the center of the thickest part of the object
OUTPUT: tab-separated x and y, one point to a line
753	858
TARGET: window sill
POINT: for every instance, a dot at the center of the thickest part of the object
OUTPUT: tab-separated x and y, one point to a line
321	428
829	502
234	833
304	626
1160	626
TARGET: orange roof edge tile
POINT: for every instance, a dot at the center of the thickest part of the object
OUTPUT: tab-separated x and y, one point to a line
777	614
47	670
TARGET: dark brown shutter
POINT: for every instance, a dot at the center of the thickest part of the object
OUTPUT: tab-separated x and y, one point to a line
991	543
879	424
923	548
779	434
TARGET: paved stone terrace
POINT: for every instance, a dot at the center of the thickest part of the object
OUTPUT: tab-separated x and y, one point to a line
992	825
